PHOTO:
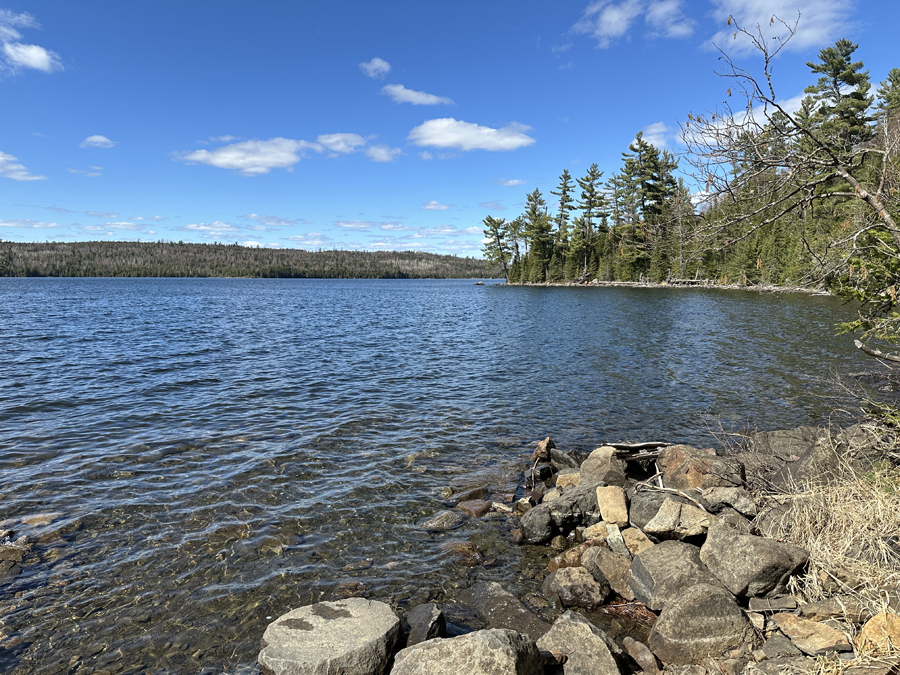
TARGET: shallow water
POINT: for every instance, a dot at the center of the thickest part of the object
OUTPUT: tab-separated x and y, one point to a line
215	452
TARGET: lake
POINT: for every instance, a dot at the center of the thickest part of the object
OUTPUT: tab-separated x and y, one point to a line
191	458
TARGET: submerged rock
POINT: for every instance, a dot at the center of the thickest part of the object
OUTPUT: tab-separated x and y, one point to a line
442	521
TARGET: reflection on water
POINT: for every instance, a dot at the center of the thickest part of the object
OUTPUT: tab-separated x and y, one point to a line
186	458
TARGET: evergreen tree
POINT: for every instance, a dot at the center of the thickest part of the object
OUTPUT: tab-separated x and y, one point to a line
496	250
842	96
592	205
538	230
564	192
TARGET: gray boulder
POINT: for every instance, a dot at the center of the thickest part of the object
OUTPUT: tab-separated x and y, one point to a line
805	454
353	636
716	499
495	651
576	506
702	621
603	466
645	505
675	520
749	565
425	622
561	460
498	608
609	568
590	650
576	587
662	572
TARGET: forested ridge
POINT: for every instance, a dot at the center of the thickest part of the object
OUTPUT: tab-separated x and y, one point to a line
170	259
776	196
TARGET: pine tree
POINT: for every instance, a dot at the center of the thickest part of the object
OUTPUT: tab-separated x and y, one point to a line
496	249
538	230
842	96
564	192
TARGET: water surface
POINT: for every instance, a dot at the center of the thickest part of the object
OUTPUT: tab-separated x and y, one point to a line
216	452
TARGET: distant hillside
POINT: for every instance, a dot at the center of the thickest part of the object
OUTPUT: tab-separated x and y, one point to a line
167	259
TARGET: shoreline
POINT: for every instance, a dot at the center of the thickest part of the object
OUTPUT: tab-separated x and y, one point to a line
648	538
758	288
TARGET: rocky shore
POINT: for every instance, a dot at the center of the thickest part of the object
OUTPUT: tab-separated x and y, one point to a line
679	548
681	283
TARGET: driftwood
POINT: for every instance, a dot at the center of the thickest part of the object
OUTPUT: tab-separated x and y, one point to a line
638	451
875	352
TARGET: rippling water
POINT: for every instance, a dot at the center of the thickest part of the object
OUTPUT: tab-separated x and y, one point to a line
214	452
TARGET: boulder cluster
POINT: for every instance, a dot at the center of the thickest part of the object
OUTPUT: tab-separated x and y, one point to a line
670	532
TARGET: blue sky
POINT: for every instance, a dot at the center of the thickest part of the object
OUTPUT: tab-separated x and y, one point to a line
357	125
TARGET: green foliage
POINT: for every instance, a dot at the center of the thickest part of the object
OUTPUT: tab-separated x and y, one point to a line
168	259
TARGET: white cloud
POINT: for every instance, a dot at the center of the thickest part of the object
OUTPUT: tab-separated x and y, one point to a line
100	214
608	20
382	153
312	240
89	174
140	218
434	206
493	205
251	244
341	143
376	68
666	19
355	224
395	227
214	230
10	169
123	226
511	183
223	139
253	158
657	134
31	56
450	133
26	223
821	21
96	141
400	94
274	221
605	20
17	55
473	230
426	155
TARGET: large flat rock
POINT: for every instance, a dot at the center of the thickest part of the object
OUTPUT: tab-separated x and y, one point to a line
352	637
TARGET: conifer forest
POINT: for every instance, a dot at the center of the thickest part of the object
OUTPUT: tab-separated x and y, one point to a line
774	196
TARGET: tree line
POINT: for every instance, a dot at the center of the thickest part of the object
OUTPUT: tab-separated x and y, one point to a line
170	259
805	197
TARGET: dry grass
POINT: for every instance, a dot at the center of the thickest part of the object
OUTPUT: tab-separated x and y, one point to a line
850	527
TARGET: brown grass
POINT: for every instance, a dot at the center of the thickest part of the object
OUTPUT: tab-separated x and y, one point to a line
846	526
